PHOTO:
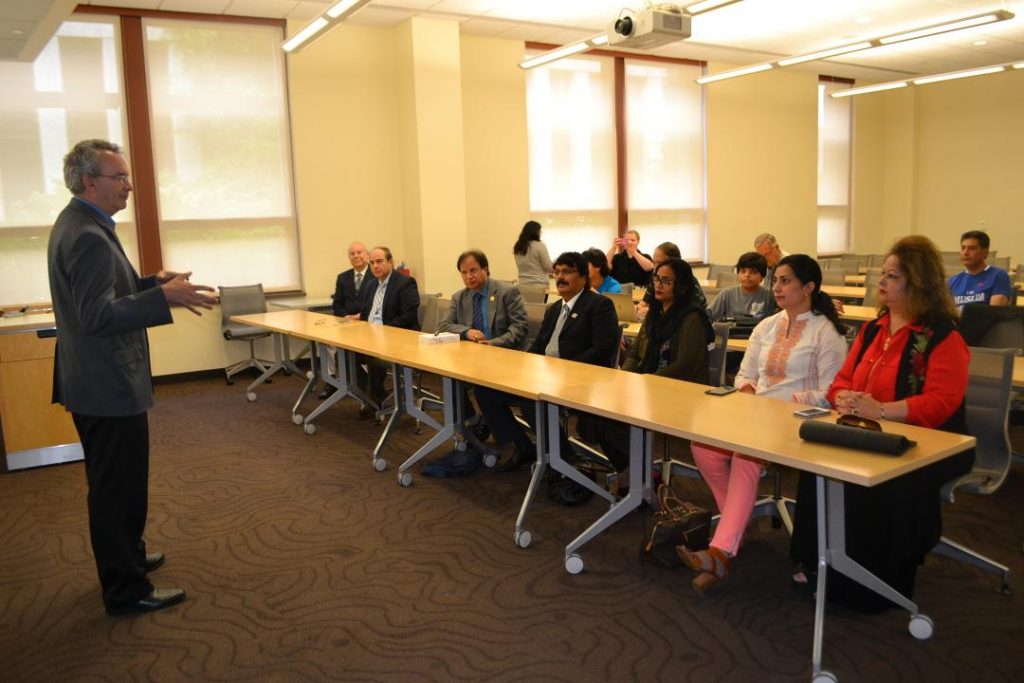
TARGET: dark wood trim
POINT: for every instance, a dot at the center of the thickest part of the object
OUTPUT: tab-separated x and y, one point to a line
622	181
531	45
140	144
835	79
190	16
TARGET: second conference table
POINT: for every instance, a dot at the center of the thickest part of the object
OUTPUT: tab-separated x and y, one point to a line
648	404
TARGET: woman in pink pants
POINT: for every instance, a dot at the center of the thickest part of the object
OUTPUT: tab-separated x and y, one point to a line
792	355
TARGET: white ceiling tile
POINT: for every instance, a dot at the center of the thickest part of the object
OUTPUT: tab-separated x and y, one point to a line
206	6
272	9
308	9
133	4
381	16
484	27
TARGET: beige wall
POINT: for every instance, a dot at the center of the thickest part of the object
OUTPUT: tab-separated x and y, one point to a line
762	156
497	169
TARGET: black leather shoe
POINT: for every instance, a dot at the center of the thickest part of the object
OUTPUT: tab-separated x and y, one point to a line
157	600
153	562
326	393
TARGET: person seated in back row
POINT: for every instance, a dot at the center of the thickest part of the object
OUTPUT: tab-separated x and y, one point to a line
627	262
599	273
747	303
979	283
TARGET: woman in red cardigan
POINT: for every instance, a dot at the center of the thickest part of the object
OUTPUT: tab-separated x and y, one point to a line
908	365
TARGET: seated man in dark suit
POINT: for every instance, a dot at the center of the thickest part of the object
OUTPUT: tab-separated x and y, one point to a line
392	299
349	291
582	326
352	284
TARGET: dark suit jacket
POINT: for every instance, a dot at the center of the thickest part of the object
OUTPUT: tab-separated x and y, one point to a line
346	300
401	301
505	310
591	333
102	308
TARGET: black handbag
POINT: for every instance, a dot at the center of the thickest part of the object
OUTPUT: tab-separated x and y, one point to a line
676	522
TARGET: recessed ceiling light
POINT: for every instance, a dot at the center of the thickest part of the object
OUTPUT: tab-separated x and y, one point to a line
979	43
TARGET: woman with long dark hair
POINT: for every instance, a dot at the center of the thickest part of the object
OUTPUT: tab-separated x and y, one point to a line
908	365
673	342
532	258
792	354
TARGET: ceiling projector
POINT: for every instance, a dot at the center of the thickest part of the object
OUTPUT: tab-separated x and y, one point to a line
649	28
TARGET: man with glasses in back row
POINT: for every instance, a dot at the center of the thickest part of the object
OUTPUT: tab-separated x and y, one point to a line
101	371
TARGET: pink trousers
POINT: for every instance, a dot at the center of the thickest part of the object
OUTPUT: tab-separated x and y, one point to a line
733	479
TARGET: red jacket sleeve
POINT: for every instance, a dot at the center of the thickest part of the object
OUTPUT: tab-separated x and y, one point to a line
944	386
844	378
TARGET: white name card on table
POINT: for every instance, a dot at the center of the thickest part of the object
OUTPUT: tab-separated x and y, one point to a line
439	338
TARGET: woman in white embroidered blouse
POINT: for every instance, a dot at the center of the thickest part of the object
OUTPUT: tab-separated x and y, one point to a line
792	355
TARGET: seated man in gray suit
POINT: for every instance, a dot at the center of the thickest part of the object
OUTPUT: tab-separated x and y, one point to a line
485	312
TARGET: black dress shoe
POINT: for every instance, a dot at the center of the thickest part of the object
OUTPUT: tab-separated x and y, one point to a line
153	562
157	600
326	393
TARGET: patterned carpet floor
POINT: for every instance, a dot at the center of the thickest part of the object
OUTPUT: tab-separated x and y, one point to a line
302	563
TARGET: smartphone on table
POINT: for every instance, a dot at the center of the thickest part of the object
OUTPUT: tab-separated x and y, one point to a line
723	390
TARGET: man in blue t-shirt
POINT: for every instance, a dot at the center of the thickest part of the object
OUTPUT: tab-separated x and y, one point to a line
979	283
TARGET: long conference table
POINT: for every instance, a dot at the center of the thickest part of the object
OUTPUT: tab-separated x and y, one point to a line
648	404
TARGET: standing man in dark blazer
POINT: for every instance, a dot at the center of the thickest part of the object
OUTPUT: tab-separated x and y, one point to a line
101	368
581	326
393	299
351	286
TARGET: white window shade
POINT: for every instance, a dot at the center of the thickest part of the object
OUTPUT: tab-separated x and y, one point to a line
71	92
834	119
571	123
222	152
665	155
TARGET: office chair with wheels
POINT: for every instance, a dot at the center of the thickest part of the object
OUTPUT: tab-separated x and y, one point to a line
534	320
715	269
988	405
993	327
871	279
242	300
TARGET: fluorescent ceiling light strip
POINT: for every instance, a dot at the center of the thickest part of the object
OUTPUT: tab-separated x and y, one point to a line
823	54
552	55
312	28
599	39
753	69
850	92
956	25
959	74
1019	65
343	8
706	6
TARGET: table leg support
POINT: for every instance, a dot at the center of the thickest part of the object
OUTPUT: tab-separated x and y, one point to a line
522	537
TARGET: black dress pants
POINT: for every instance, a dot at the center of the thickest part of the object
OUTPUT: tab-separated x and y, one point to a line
117	470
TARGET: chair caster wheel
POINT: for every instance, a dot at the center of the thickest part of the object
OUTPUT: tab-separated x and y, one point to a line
296	419
309	374
921	627
380	464
490	459
251	396
824	677
309	428
574	564
523	539
404	479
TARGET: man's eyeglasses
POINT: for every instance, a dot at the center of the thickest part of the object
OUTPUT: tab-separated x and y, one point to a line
122	178
560	272
664	281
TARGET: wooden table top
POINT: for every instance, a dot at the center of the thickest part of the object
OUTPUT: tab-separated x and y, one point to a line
683	410
656	403
26	321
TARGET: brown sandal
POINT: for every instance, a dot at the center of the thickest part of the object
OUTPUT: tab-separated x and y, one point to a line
711	565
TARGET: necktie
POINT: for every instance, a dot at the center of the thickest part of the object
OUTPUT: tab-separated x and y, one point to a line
552	348
376	314
478	311
359	282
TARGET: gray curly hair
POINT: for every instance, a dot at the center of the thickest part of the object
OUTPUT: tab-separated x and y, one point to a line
83	160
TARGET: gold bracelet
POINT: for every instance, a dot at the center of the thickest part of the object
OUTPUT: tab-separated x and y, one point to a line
881	410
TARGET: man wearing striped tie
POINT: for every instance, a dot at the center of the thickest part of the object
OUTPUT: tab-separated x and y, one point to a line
392	299
581	326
